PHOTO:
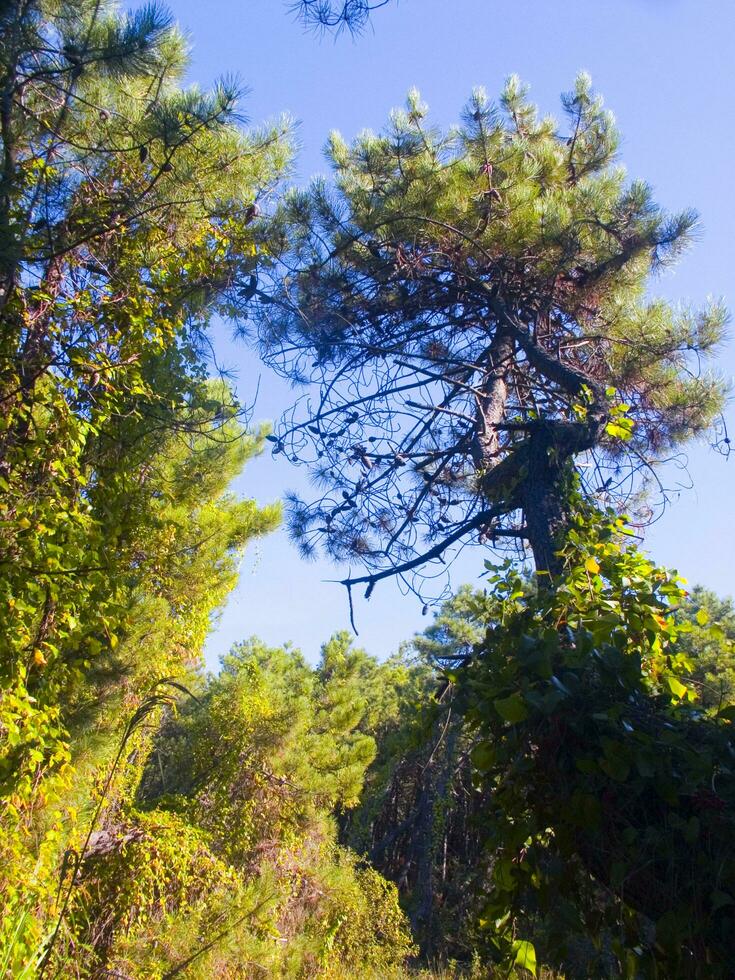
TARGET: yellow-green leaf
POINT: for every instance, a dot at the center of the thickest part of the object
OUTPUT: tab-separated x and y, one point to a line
678	689
525	955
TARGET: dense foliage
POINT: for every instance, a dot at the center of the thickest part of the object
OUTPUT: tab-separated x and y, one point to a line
612	792
125	210
710	643
219	856
129	209
568	800
541	783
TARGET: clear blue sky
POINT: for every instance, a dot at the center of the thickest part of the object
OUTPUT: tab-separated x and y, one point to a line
664	67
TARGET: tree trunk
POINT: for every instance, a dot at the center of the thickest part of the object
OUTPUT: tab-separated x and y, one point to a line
543	501
491	404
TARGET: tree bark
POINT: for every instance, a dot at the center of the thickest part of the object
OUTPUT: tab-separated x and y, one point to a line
543	500
491	403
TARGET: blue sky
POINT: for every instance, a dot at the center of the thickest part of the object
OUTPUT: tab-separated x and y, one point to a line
664	67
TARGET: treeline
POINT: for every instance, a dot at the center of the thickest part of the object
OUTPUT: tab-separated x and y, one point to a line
544	780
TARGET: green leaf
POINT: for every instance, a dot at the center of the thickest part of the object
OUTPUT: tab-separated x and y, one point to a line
512	709
586	765
483	756
503	874
616	769
678	689
525	955
615	763
620	429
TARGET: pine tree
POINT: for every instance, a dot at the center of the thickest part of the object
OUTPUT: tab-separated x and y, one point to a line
125	212
351	15
472	307
128	209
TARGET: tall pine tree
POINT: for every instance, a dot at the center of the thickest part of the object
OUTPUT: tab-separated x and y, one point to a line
471	307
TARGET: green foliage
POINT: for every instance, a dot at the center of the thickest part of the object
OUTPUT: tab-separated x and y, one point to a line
398	693
419	821
568	796
611	789
194	543
224	859
710	644
563	797
268	723
128	210
126	223
456	629
474	305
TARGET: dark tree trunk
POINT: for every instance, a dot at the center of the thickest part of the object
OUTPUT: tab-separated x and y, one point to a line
543	501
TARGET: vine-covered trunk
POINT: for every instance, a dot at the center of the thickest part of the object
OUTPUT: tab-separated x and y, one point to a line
544	503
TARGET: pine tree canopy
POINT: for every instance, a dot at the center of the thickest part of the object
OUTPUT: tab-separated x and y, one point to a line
352	15
472	308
